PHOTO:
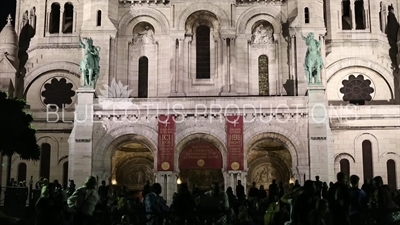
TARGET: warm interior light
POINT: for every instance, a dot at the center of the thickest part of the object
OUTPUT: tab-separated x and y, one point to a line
179	181
291	181
114	182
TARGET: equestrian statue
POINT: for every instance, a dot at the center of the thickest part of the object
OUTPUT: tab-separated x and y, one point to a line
313	63
89	66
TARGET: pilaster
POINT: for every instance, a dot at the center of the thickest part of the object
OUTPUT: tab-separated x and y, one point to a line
80	140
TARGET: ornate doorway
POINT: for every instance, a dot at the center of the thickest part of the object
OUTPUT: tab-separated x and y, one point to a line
200	164
268	160
132	166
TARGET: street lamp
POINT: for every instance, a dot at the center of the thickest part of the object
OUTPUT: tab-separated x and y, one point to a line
178	181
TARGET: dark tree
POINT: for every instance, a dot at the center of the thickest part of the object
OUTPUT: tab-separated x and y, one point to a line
16	133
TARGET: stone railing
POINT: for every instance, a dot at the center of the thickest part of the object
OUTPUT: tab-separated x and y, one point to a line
259	1
135	2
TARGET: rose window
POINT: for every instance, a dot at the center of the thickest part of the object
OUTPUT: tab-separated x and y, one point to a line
356	90
58	92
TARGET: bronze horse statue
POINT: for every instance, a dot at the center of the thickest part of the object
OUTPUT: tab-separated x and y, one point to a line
89	66
313	63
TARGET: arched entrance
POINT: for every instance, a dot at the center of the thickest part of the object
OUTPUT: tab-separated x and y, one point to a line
200	164
132	165
269	159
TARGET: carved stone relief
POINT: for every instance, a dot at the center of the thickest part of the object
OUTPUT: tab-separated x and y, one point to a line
143	33
269	160
262	33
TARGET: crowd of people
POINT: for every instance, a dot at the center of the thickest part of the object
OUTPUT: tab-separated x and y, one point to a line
314	203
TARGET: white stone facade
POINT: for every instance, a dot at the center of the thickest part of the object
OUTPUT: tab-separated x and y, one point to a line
234	79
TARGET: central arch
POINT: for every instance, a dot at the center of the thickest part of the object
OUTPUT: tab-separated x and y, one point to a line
200	163
216	10
200	159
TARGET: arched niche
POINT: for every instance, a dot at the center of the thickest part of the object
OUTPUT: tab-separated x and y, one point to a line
143	33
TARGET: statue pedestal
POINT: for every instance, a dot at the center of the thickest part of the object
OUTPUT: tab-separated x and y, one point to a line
80	140
320	150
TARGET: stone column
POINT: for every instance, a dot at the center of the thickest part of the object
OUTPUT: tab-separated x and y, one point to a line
232	65
293	63
61	21
225	69
173	66
277	64
74	18
181	80
321	155
232	178
48	22
168	182
80	140
353	14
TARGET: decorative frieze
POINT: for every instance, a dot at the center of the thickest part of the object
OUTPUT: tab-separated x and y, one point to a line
241	2
142	2
54	46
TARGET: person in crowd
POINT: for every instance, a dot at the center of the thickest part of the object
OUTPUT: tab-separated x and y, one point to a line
289	199
146	189
124	192
339	200
244	219
122	209
240	191
183	205
103	190
296	184
273	190
71	187
321	215
253	195
318	187
367	187
324	191
386	208
155	206
233	201
83	202
9	220
214	204
49	207
262	193
358	202
304	204
270	217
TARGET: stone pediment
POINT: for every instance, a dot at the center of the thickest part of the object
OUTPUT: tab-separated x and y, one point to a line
6	65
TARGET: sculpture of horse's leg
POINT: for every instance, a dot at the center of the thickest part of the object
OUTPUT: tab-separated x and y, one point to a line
83	78
90	77
319	75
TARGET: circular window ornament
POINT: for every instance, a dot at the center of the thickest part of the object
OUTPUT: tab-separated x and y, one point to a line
57	92
356	89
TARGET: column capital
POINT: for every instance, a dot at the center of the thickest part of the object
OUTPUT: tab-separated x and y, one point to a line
231	37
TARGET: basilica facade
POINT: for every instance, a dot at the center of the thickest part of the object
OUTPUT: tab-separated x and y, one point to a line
200	90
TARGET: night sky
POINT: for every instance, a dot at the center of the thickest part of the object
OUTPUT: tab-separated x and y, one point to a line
6	7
